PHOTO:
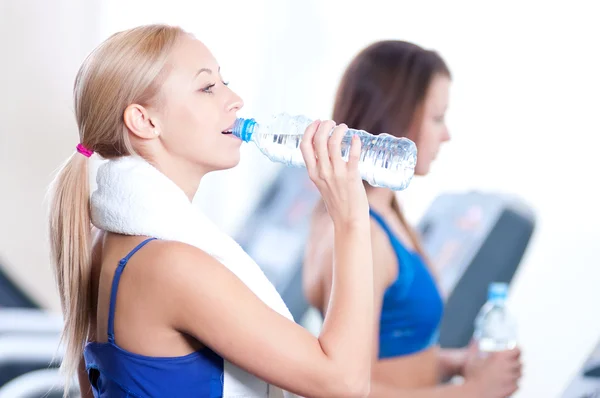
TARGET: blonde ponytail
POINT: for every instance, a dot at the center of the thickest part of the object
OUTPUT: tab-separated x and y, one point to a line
70	243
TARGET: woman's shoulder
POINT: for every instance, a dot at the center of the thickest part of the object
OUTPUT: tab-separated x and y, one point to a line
150	258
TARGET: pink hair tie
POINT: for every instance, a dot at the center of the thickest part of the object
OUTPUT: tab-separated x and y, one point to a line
84	151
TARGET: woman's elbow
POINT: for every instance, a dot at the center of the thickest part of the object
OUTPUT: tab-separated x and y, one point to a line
360	388
355	386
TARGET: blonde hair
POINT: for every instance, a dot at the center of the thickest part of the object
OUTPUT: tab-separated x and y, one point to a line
127	68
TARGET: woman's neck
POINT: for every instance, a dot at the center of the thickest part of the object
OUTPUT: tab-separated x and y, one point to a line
380	198
186	176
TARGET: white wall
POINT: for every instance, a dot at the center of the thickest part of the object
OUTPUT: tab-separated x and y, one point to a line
523	117
42	44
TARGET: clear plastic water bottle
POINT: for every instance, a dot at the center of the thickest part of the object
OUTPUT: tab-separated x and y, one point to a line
385	160
495	329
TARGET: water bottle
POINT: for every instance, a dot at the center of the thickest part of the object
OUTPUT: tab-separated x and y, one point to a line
385	161
494	327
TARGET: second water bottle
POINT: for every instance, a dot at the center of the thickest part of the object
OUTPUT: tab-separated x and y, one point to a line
495	328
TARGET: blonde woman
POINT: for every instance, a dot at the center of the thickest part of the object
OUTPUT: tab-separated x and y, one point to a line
157	301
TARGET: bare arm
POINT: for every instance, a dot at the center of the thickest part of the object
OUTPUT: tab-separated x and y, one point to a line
452	362
492	377
381	280
213	305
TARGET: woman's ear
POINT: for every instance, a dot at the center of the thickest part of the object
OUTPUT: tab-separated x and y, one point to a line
137	119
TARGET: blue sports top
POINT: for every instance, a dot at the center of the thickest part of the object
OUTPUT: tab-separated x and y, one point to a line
412	306
115	372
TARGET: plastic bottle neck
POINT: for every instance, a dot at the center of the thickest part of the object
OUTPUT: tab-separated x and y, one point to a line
498	301
244	129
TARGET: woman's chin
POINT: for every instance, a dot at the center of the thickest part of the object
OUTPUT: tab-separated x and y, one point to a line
226	164
422	168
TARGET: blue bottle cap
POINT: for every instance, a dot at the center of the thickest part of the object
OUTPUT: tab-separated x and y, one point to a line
244	128
497	291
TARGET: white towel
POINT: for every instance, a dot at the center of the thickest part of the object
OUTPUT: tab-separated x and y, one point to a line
134	198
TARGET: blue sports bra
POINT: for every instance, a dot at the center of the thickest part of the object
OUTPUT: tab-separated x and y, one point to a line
412	306
115	372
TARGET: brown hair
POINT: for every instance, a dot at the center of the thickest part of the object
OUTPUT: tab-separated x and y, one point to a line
383	91
125	69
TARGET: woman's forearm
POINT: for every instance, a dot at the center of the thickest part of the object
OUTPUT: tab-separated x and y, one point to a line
451	362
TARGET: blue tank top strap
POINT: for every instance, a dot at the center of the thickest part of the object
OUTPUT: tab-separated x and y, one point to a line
399	247
377	217
115	286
